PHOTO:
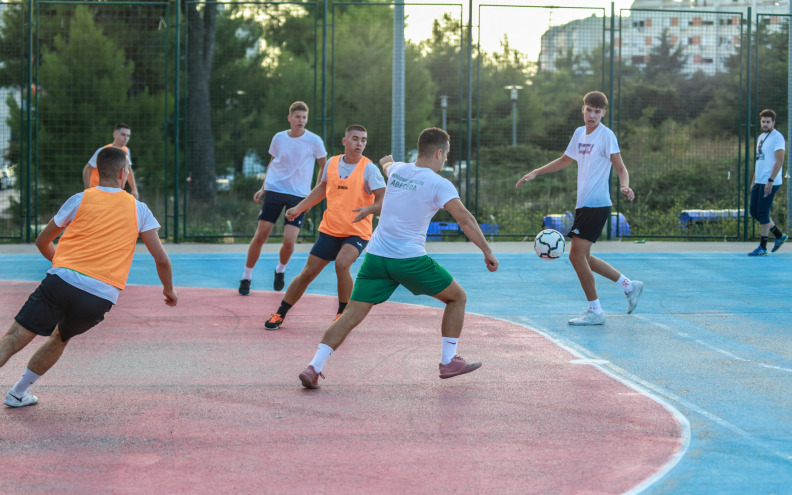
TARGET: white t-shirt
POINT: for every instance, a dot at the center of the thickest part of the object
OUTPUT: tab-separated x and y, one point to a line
372	177
766	146
64	217
412	197
92	161
291	170
593	155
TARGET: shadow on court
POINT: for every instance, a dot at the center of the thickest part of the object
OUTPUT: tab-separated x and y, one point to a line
200	399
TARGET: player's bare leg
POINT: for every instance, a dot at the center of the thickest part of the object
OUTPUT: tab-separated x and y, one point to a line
15	339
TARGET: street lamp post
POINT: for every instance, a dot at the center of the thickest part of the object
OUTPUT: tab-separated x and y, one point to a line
513	90
444	106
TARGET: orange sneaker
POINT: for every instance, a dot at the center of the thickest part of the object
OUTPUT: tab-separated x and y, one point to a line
274	322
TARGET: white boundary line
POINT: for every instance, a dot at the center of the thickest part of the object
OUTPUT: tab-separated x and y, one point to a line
635	383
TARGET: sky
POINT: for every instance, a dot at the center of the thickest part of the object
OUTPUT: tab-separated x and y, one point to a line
523	25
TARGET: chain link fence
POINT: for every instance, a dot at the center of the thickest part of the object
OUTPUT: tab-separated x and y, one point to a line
204	87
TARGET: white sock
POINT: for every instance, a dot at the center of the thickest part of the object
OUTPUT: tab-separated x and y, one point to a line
28	379
449	349
595	306
625	283
323	353
247	274
280	268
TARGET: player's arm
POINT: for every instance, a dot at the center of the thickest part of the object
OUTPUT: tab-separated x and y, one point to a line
386	162
86	174
372	209
132	184
624	176
164	270
322	162
44	241
471	228
779	156
316	195
257	196
559	163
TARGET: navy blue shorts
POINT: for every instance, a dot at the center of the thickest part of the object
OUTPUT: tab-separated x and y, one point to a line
54	302
327	246
274	205
589	222
760	204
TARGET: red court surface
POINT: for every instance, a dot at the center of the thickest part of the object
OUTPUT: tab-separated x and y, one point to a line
200	399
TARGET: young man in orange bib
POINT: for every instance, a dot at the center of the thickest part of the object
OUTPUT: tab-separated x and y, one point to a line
89	269
354	188
90	174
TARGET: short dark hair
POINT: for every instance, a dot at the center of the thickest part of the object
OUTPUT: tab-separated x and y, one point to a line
432	139
355	127
118	127
109	161
596	99
298	106
767	113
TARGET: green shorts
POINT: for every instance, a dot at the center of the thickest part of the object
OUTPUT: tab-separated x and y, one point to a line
379	277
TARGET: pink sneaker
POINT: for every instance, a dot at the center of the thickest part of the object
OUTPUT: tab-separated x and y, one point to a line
457	366
310	378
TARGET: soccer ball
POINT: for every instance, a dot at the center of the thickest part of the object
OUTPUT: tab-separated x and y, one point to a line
549	244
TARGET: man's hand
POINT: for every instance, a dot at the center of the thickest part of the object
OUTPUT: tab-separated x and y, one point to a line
258	195
628	192
526	178
171	298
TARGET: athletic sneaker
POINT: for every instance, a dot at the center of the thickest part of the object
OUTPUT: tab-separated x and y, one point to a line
760	251
588	317
310	378
274	322
457	366
279	281
244	287
632	297
27	399
779	242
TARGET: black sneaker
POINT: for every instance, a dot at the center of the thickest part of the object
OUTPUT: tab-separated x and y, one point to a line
244	287
274	322
279	281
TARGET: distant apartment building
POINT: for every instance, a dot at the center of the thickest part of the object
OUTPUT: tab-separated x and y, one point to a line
708	31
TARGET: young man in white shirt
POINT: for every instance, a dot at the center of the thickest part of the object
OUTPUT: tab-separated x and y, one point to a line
288	181
396	254
767	179
595	149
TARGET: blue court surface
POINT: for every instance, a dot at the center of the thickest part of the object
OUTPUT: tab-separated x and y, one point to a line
710	336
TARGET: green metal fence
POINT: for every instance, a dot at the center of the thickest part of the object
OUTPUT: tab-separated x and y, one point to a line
204	86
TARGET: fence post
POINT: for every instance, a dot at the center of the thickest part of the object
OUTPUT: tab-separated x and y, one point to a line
397	102
789	119
747	126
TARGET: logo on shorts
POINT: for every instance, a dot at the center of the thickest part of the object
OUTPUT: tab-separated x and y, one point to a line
575	231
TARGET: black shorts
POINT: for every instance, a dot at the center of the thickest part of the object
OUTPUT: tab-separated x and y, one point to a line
54	302
327	246
589	222
274	204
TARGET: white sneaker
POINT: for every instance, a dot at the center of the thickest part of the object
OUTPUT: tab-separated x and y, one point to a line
588	317
632	297
27	399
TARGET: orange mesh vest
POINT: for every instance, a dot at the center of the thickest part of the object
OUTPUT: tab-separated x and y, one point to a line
95	170
100	241
343	196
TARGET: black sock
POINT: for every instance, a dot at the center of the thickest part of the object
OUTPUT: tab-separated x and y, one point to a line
284	308
777	233
342	307
763	242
